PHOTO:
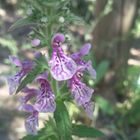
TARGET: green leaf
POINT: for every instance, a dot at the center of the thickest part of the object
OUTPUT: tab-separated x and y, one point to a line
101	70
63	121
73	18
51	129
105	105
30	137
22	22
133	115
42	61
85	131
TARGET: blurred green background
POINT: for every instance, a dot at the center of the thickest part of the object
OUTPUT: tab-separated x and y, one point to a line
113	28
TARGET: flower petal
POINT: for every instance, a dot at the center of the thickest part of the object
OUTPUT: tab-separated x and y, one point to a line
14	60
43	76
31	123
26	107
62	67
89	107
76	56
90	69
46	99
13	82
85	49
81	93
29	94
45	103
58	38
27	65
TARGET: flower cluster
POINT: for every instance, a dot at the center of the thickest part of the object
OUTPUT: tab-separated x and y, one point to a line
62	67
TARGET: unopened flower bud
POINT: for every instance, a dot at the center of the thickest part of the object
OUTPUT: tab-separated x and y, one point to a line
37	55
35	42
61	19
29	11
44	19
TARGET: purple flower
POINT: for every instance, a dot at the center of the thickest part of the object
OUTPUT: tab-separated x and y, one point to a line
29	93
77	57
25	66
62	66
80	91
14	60
58	38
46	99
13	82
26	107
31	123
37	55
89	107
35	42
90	69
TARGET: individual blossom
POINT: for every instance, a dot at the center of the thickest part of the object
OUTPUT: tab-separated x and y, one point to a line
35	42
79	90
62	67
79	61
24	66
29	93
45	101
31	123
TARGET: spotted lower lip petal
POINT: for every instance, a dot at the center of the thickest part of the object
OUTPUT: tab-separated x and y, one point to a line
62	67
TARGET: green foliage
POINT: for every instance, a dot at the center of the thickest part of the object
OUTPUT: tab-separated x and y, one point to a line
101	70
133	115
105	106
63	121
85	131
44	15
10	43
22	22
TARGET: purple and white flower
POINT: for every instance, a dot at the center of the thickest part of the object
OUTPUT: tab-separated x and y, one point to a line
89	107
77	57
31	123
45	101
79	90
25	66
62	67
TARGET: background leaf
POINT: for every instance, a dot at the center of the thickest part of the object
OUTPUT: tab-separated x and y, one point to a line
101	70
85	131
105	105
